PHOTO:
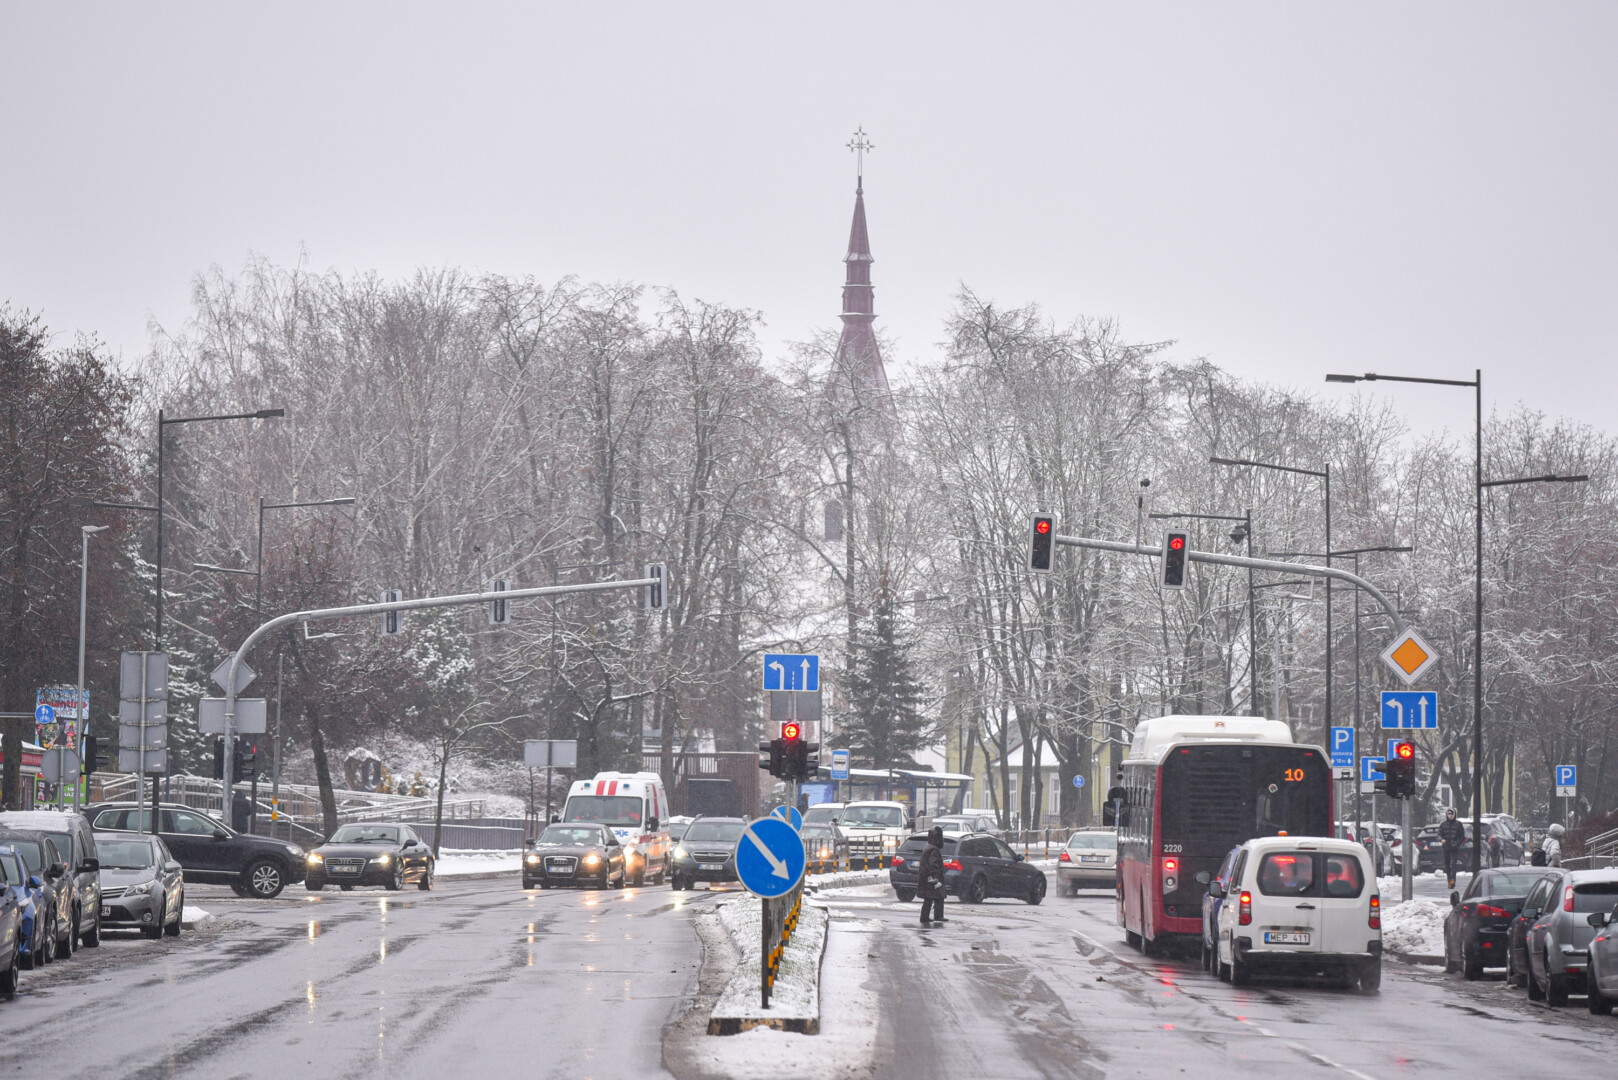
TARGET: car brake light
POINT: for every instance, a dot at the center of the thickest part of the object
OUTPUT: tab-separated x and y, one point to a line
952	864
1567	898
1489	911
1064	857
1244	909
898	860
1376	913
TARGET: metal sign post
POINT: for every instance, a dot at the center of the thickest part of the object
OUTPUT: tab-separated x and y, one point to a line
143	731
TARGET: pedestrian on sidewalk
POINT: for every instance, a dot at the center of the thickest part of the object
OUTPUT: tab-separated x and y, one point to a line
1552	845
1452	834
930	877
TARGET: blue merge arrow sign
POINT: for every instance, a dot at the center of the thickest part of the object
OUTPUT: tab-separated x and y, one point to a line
792	671
769	857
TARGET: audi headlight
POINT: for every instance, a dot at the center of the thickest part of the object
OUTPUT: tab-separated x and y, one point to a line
592	859
315	858
383	859
532	858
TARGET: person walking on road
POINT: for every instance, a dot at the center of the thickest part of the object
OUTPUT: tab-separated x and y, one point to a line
1452	834
930	877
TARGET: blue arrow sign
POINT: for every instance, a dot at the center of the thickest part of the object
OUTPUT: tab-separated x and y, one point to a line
1342	748
769	857
790	815
792	671
839	764
1371	769
1409	709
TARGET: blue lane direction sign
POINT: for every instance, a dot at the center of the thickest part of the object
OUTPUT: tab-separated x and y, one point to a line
792	671
770	857
1409	709
1567	782
1371	769
839	764
790	815
1342	748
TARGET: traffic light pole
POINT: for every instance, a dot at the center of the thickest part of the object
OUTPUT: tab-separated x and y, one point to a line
1407	887
358	610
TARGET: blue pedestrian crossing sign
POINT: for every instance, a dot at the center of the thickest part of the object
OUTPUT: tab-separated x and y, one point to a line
1409	709
1567	782
792	671
790	815
1342	748
769	857
1371	769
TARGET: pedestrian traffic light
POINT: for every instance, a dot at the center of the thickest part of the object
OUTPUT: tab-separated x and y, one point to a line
1176	549
1041	543
1400	769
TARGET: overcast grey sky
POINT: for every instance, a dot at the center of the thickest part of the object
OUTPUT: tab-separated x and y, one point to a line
1285	188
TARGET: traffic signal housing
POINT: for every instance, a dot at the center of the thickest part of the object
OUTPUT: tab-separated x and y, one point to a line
657	595
1400	770
1041	543
770	757
1176	550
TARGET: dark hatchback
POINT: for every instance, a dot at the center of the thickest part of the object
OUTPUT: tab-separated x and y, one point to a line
976	868
577	853
1477	930
254	866
389	855
707	852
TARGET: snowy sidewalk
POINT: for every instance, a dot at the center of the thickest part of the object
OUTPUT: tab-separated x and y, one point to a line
474	865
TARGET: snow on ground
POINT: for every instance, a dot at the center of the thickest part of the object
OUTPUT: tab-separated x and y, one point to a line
191	916
796	993
454	863
1415	928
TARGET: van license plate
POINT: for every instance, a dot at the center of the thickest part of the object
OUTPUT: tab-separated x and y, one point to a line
1276	937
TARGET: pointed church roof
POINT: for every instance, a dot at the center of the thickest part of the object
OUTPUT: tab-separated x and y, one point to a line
859	364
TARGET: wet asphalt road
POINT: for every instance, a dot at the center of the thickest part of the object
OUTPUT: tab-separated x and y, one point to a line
476	978
481	978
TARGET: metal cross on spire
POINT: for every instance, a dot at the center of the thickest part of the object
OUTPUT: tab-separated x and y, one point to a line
859	144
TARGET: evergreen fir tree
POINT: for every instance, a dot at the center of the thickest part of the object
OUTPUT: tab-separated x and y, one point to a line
884	726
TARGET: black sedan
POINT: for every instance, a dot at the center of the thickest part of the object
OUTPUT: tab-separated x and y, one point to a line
707	852
1502	845
575	853
389	855
1477	928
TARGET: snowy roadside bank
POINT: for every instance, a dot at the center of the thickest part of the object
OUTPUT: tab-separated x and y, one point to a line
467	865
1413	931
795	995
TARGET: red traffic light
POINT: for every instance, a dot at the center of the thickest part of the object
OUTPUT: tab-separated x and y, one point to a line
1176	543
1405	750
1042	526
790	730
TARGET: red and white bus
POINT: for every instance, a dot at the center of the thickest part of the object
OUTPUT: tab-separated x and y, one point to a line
1195	787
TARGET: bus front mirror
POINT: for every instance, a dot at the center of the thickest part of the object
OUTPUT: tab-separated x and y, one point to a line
1203	877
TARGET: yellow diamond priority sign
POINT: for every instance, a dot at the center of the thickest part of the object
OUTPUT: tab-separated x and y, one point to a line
1409	656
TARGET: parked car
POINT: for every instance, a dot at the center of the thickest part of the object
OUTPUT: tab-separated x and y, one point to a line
80	885
826	813
42	860
1374	842
677	827
976	868
208	849
1537	900
1212	901
575	853
1601	977
980	821
1510	848
1304	906
824	849
1477	928
13	881
707	852
361	853
142	885
1558	942
874	831
1089	859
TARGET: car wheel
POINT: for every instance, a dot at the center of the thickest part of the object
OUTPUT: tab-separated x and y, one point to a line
1451	965
1036	891
314	884
1206	963
426	882
1371	977
1600	1004
1536	992
1240	973
155	931
1555	989
1222	969
905	895
8	981
264	879
977	890
179	920
92	937
1471	964
396	879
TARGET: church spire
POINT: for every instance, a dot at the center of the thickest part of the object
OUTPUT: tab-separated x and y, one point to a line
858	354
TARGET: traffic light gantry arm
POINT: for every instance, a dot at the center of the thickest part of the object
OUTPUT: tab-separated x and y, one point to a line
1242	560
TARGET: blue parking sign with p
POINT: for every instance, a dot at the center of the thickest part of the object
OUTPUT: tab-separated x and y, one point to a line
1342	748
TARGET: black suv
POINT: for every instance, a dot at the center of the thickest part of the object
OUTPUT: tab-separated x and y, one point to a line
976	868
256	866
707	852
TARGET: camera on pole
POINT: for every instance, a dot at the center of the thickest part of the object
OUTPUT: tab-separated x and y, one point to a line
1176	550
391	621
1041	543
1400	770
499	610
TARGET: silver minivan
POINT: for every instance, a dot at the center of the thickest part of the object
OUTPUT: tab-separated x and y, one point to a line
1558	942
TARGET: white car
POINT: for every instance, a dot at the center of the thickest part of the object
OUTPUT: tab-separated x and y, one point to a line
1302	905
874	831
1088	861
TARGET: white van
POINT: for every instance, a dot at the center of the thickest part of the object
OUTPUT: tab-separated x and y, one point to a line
1303	905
636	808
874	830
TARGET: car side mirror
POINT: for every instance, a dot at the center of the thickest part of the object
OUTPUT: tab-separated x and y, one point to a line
221	834
1598	919
1016	856
34	882
1216	890
1454	899
652	824
1203	877
55	870
172	867
90	866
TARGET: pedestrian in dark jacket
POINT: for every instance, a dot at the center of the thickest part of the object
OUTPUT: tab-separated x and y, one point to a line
1452	834
930	876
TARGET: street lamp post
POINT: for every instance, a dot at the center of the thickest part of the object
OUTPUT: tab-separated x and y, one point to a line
1237	535
84	597
1476	383
1325	476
